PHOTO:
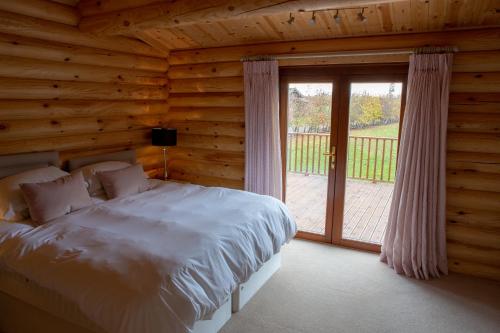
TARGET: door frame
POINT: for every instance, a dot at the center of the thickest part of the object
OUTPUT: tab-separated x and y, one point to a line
341	76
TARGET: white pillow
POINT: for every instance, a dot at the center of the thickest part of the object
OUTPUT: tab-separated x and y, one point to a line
12	205
89	172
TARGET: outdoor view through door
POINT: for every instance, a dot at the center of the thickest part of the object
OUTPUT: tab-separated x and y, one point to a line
371	120
372	145
308	145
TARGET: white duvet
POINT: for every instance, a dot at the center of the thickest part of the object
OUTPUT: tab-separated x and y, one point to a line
152	262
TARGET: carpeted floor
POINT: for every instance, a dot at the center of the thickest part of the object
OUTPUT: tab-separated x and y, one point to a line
322	288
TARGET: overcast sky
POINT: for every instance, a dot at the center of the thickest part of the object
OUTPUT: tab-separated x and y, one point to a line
371	88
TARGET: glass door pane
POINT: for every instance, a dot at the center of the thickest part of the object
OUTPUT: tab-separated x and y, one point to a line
374	111
308	154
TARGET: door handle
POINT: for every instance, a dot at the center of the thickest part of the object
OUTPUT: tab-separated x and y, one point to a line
332	155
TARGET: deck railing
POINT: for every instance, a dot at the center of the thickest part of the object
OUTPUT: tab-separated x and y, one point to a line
370	158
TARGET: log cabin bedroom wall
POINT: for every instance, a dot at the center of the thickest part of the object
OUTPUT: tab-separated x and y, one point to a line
80	93
64	90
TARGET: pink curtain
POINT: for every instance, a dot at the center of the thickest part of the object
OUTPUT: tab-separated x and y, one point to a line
263	152
415	239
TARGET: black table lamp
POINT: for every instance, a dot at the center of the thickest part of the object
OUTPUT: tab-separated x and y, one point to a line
164	137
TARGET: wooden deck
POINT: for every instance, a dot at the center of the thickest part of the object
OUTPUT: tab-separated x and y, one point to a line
366	207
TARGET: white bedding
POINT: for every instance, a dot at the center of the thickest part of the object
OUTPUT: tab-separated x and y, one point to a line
152	262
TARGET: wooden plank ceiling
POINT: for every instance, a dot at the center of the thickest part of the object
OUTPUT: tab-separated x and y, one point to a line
149	20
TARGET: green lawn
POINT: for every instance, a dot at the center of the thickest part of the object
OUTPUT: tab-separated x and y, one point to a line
387	131
368	159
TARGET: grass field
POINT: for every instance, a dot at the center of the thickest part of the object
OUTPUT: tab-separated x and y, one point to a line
373	159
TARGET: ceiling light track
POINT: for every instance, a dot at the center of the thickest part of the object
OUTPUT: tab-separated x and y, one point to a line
337	18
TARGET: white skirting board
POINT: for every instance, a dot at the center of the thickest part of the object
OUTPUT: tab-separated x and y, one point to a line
246	290
219	318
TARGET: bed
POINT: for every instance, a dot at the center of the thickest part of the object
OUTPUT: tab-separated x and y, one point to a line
176	258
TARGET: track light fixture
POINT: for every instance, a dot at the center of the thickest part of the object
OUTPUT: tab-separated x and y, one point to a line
312	21
361	15
336	17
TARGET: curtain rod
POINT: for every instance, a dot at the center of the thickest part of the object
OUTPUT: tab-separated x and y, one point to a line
451	49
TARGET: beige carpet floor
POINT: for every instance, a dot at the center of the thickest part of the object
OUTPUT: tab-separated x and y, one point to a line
322	288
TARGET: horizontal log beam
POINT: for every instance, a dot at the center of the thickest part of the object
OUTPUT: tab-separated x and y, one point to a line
223	143
167	14
475	82
92	7
25	26
473	180
208	155
16	46
223	84
45	89
475	102
231	114
66	155
207	100
474	254
472	236
462	62
42	128
54	109
67	2
466	40
468	199
468	61
15	67
465	267
222	69
209	169
474	218
84	141
474	142
206	180
236	129
43	9
474	122
473	161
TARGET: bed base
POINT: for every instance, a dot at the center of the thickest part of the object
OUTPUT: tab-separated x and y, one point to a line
17	316
247	290
43	318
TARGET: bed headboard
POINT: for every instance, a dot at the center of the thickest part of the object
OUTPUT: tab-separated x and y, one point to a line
125	156
12	164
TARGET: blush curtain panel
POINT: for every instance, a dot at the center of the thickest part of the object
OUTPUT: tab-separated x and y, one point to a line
415	239
263	173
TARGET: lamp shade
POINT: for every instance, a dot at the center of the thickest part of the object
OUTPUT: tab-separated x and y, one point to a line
164	137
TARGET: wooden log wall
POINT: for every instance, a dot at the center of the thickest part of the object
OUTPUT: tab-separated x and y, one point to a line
76	93
206	98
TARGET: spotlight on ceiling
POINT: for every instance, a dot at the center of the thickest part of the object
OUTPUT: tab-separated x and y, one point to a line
361	16
291	19
337	18
312	21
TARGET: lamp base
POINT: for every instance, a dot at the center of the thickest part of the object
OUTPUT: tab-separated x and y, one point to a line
165	174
